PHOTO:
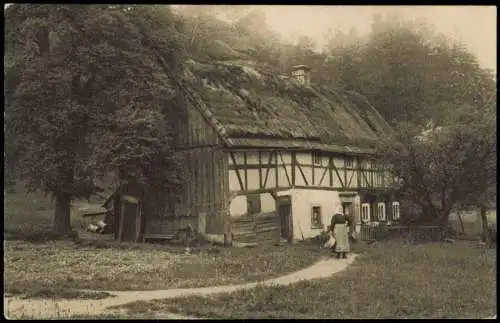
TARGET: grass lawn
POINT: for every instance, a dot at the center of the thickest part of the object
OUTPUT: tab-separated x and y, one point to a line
389	280
55	268
30	215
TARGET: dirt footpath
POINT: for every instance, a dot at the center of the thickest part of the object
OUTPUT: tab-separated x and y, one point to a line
16	308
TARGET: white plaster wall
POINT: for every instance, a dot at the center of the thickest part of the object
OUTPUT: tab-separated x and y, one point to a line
284	176
284	193
252	157
267	203
338	162
238	205
252	179
352	179
302	202
304	158
271	178
234	184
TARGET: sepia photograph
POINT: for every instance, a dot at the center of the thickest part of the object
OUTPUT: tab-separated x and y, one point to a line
168	161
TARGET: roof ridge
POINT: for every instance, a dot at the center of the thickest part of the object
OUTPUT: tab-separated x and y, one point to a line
278	107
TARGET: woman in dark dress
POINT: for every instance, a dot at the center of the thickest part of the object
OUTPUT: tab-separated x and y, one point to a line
340	229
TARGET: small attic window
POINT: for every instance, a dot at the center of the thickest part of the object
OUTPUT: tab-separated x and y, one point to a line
301	74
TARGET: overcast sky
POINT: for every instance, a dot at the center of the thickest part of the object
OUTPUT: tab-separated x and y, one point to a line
475	26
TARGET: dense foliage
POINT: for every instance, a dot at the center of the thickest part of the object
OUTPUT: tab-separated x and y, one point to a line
446	167
85	95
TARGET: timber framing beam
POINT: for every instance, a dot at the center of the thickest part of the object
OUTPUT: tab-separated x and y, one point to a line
323	176
313	167
352	176
276	168
286	164
338	174
246	168
260	191
267	169
284	167
301	172
345	173
358	171
243	188
260	169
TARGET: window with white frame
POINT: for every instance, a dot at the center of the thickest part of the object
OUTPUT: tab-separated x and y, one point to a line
365	212
395	210
316	222
381	211
348	162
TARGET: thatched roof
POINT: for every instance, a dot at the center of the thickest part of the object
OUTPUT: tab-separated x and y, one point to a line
261	109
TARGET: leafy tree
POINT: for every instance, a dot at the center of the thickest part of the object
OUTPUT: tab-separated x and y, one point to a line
444	167
306	44
411	74
75	75
225	12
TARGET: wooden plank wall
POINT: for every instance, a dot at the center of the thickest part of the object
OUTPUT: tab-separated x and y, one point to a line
170	225
192	130
205	189
256	228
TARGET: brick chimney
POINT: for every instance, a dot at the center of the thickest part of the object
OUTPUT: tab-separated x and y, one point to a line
301	74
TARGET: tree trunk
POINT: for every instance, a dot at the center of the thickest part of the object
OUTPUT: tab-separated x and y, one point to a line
484	221
62	224
443	223
461	222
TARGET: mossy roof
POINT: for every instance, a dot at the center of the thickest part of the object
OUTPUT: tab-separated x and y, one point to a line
264	109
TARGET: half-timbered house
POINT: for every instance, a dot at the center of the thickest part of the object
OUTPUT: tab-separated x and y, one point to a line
269	157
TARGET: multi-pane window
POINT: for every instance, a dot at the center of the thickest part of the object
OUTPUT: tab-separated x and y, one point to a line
349	162
395	210
381	211
316	222
365	212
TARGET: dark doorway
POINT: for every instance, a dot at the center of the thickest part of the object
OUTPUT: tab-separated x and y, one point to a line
130	221
285	213
253	203
348	209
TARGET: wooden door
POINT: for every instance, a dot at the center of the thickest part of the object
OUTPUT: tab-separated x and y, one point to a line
130	221
348	209
285	214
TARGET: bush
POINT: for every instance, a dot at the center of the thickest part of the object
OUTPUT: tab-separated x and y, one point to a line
492	233
381	231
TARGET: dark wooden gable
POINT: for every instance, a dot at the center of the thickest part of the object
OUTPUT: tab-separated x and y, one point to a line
206	184
193	130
